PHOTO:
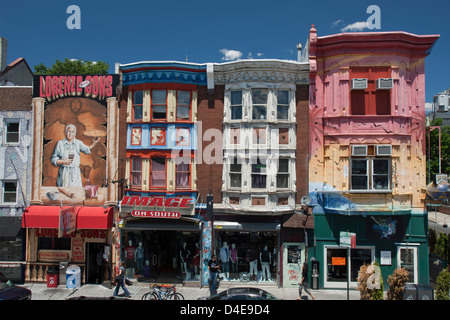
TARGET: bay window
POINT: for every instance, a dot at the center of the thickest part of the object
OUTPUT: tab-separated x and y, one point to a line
282	105
138	100
235	174
136	172
236	105
259	104
183	174
183	105
283	174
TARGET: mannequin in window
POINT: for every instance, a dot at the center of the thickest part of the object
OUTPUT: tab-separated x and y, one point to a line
129	259
265	258
253	260
196	260
234	261
146	269
225	258
139	258
184	254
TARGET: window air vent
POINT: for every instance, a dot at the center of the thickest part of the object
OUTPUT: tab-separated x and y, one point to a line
359	150
384	83
359	84
384	150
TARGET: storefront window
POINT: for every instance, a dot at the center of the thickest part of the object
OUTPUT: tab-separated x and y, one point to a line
54	243
338	263
408	262
247	256
160	255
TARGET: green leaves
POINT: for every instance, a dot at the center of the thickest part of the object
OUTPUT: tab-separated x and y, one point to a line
72	66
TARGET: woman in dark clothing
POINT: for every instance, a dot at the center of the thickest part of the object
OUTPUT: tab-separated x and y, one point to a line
304	282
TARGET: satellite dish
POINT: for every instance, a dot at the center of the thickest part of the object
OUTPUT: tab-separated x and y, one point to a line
306	200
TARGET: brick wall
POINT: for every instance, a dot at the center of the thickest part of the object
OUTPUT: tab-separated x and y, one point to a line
210	177
302	151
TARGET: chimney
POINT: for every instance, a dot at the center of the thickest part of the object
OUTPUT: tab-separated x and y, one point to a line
3	47
299	52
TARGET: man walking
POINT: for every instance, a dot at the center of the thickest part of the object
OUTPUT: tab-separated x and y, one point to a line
213	267
304	282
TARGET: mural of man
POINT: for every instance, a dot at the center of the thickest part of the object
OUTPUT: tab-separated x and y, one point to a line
66	155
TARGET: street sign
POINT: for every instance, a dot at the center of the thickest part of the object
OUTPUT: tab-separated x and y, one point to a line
347	239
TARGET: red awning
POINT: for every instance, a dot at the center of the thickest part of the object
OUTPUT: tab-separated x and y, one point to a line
48	217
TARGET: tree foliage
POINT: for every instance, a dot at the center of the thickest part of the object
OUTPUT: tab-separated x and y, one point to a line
72	66
443	285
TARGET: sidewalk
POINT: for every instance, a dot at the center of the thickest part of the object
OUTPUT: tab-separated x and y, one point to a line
438	217
41	292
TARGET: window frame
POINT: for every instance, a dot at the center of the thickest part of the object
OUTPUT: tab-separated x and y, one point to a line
371	95
236	106
284	173
235	161
152	105
135	105
133	172
6	123
151	186
370	173
283	105
255	105
4	192
189	172
264	174
183	106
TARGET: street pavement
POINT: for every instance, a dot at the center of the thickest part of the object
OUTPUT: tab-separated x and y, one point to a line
41	292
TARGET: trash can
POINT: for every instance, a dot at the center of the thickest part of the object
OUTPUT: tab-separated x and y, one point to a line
315	275
62	272
425	292
409	292
73	277
52	278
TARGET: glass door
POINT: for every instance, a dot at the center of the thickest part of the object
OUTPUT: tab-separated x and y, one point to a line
408	260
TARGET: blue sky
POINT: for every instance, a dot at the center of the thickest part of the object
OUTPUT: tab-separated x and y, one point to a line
200	30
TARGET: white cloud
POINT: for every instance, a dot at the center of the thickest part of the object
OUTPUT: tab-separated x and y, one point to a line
337	23
357	26
230	55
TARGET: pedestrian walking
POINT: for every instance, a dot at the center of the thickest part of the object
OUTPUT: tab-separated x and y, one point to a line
213	267
304	283
120	280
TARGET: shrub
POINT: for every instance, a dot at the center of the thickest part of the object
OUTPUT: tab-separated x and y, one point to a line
365	274
443	285
397	282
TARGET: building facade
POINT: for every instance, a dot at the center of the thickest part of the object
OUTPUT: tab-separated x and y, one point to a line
256	170
15	156
159	222
367	159
69	219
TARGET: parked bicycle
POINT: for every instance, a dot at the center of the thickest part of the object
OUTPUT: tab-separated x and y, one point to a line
163	293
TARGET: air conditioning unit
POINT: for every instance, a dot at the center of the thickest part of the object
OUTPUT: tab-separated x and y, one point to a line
384	150
359	84
359	150
384	83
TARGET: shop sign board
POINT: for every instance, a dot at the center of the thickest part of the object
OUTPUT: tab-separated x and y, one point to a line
347	239
155	214
67	221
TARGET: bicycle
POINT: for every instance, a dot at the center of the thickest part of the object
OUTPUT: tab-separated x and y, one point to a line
163	293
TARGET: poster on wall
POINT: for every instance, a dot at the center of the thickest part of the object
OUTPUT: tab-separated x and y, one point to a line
74	155
392	228
67	221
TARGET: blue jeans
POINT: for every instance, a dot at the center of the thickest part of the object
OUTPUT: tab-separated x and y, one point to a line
121	283
213	281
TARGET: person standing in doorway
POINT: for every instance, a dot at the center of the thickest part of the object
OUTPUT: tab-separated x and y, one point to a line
121	281
304	282
213	267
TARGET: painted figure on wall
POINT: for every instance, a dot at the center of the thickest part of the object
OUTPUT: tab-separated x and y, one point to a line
67	156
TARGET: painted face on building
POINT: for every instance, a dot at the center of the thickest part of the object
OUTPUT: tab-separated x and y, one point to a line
70	133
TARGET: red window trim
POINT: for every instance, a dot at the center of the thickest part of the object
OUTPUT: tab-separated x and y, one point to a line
190	177
165	173
371	73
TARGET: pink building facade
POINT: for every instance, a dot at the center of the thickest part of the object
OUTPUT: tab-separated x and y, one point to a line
367	168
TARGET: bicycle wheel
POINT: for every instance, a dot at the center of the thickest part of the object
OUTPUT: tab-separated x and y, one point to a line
176	296
150	296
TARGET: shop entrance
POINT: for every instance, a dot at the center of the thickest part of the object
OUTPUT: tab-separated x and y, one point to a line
95	263
161	255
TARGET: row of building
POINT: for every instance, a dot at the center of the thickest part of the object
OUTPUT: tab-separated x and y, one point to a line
267	163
